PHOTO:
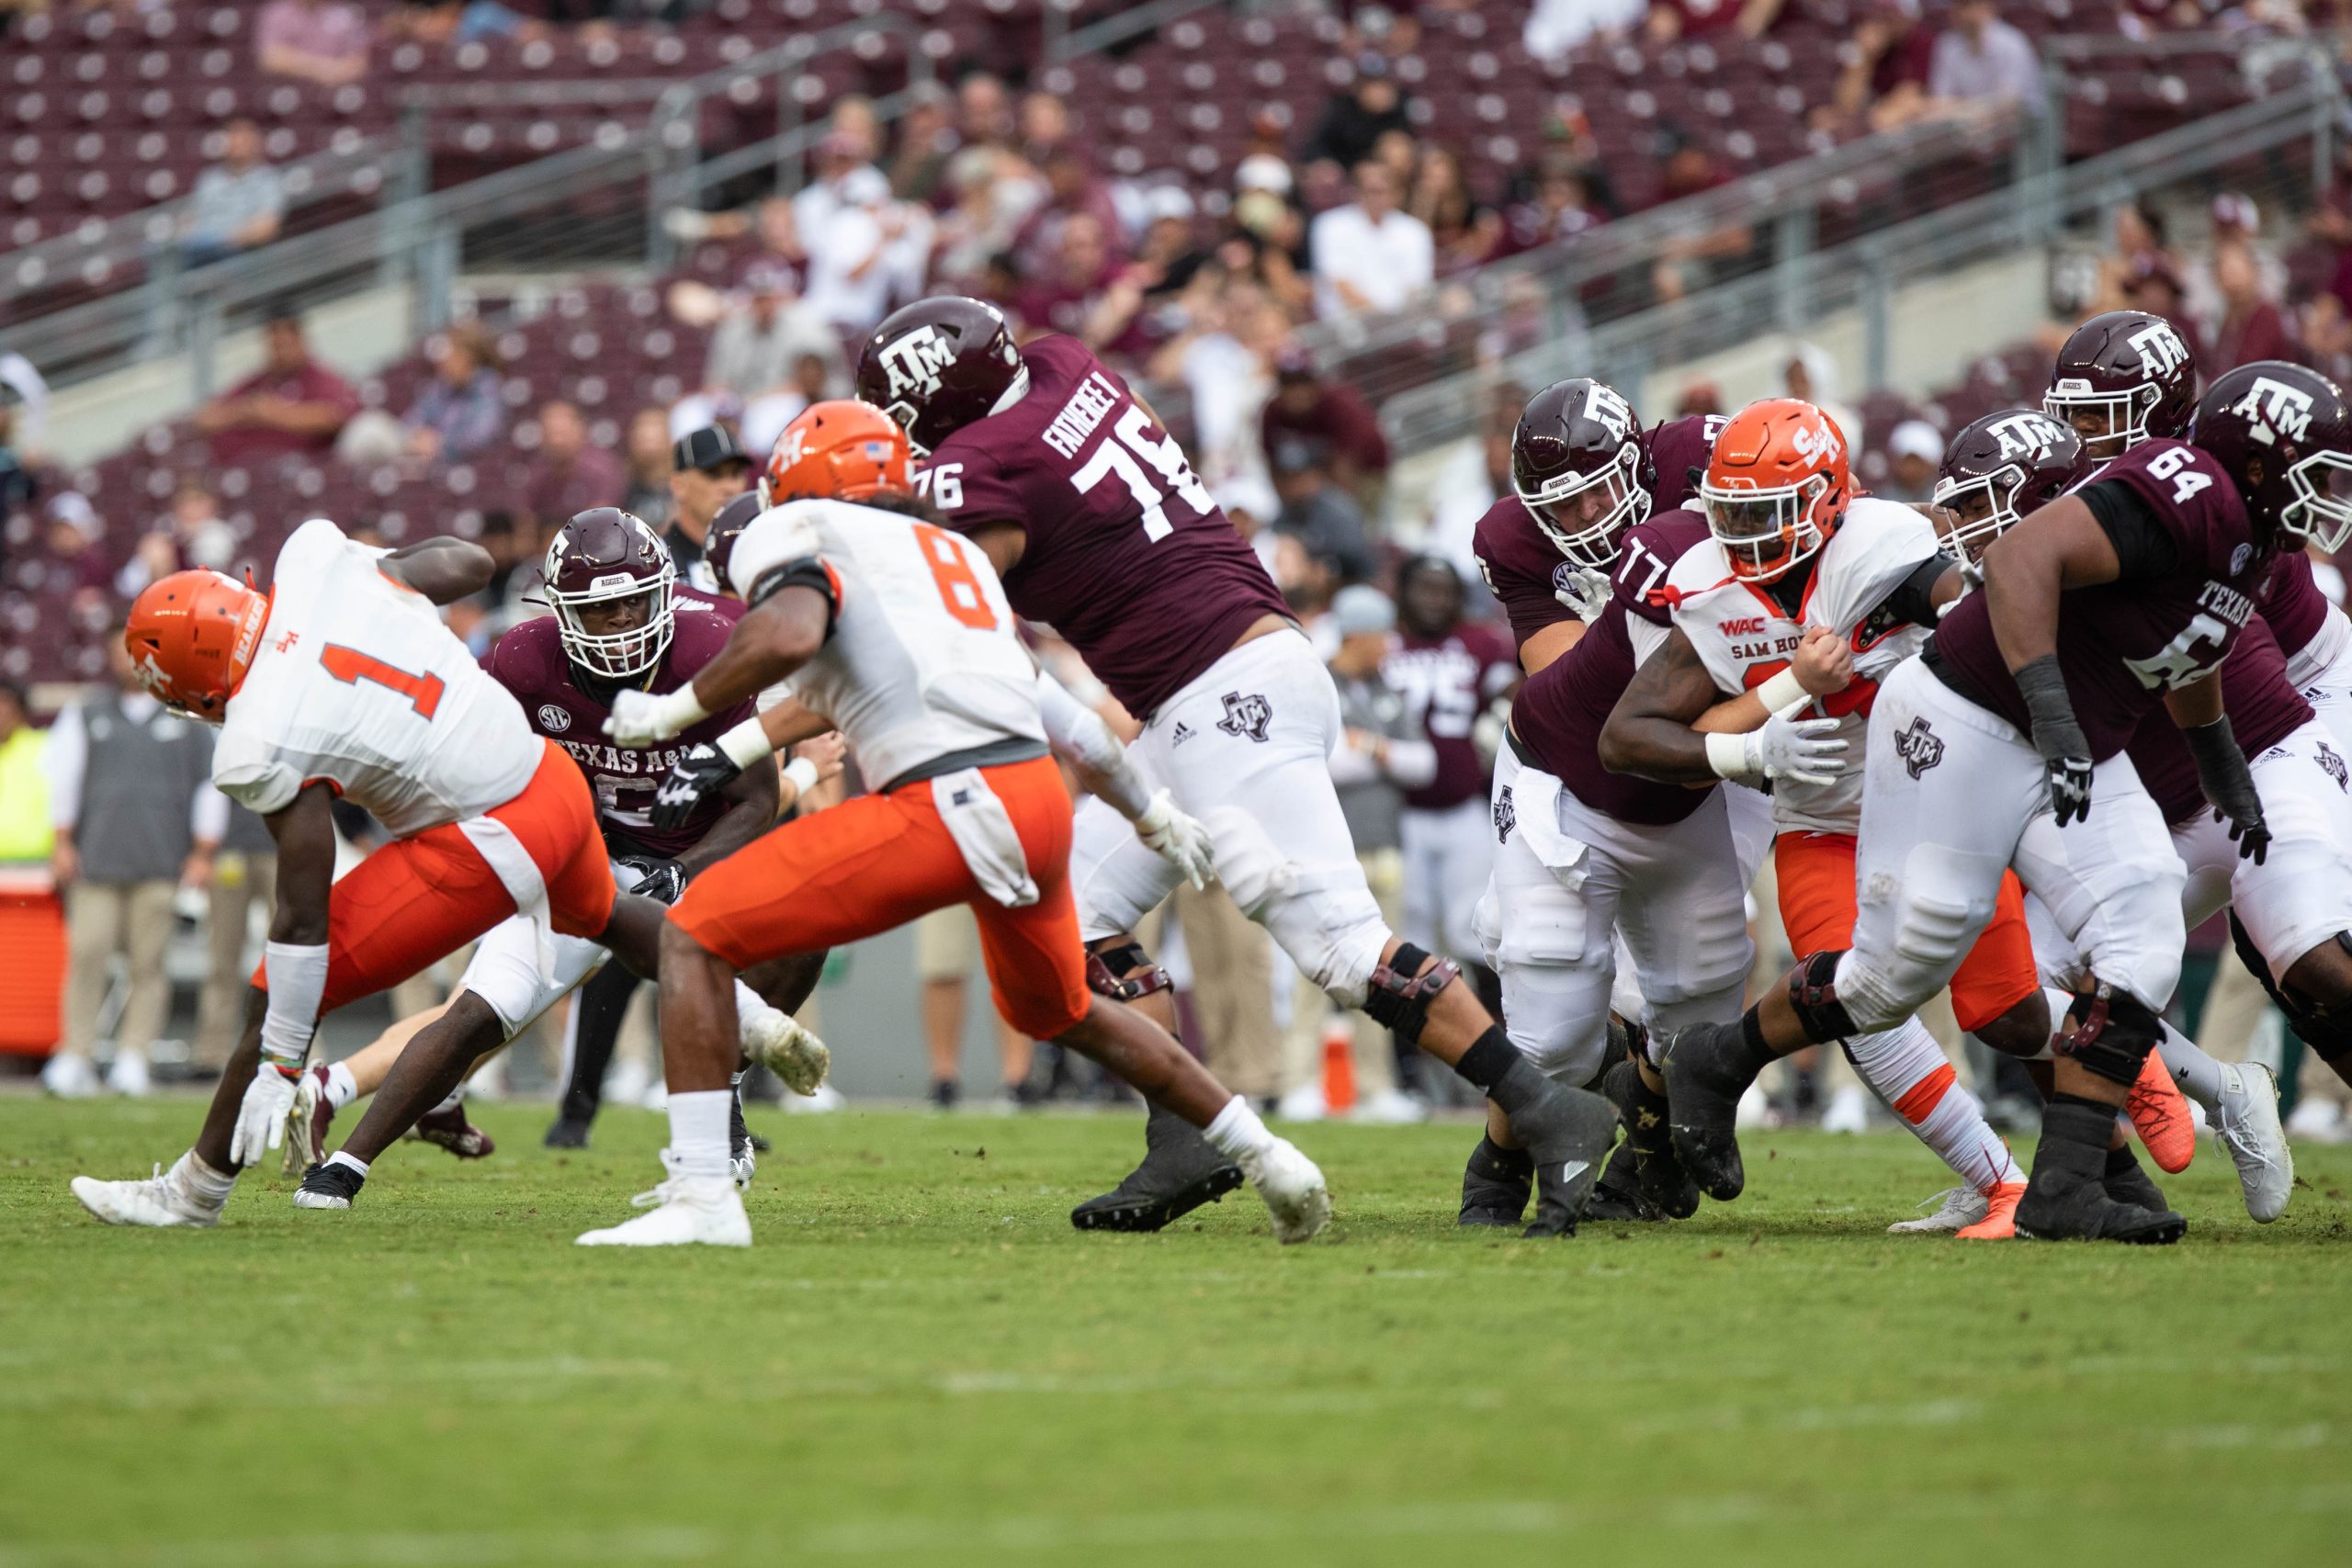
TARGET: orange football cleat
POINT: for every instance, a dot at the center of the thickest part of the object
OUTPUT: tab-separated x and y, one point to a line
2001	1222
2162	1117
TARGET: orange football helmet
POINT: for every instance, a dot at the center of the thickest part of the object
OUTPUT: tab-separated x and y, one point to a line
841	449
191	636
1776	486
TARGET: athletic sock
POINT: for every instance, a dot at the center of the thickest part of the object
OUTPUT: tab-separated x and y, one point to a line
195	1177
340	1158
2200	1077
1489	1057
698	1130
750	1007
450	1102
1905	1067
341	1088
1237	1131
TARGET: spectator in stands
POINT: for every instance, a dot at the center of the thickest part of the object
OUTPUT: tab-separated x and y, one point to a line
461	411
319	41
1883	81
1671	19
1369	255
569	475
1913	451
156	554
514	546
983	112
764	417
2140	244
926	141
1331	417
708	469
1353	118
239	202
2153	285
1464	229
18	485
290	406
2250	327
850	249
765	332
1318	513
1073	186
1561	208
1556	27
77	566
197	527
1981	58
445	22
1690	261
1225	358
1045	125
138	778
646	452
2237	226
1810	373
840	166
1062	296
23	395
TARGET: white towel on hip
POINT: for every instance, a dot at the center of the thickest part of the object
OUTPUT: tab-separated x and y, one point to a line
975	819
519	873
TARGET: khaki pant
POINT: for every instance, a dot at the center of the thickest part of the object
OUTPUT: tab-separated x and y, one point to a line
1375	1049
238	881
103	919
1233	989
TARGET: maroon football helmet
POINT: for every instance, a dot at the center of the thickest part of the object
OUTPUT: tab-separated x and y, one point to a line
2000	468
2284	437
727	526
601	558
1582	468
939	364
2122	378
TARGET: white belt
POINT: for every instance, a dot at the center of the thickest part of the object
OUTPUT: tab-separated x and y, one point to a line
2315	657
497	844
975	819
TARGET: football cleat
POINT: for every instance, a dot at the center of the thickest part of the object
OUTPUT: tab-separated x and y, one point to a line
307	1121
1496	1185
1958	1208
775	1041
1704	1083
449	1130
1617	1196
128	1075
1665	1185
566	1133
1181	1171
1297	1198
2160	1115
685	1210
2246	1123
1568	1132
2069	1207
70	1077
2126	1183
2000	1221
328	1187
161	1202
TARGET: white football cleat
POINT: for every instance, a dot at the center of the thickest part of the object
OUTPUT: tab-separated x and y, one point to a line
127	1075
775	1040
825	1101
626	1082
1963	1207
1293	1187
160	1202
2246	1123
1848	1111
70	1077
1390	1108
683	1212
1304	1103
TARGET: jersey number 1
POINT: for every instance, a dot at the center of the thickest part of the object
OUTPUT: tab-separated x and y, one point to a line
350	666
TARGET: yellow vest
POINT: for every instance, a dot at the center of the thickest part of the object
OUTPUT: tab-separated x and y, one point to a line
25	833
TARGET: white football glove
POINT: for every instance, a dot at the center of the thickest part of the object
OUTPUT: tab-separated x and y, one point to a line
1582	590
1179	839
261	1116
640	718
1801	750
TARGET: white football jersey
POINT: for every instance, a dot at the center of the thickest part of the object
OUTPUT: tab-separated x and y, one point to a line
924	660
1744	637
358	683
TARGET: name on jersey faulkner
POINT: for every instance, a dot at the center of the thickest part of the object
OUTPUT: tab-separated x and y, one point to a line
620	759
1085	412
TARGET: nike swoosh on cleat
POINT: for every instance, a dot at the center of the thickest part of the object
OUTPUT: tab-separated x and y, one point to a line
1574	1168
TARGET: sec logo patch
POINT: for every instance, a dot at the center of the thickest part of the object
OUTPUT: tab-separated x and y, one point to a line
554	719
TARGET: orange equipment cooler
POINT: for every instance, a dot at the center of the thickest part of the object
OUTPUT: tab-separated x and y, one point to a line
32	961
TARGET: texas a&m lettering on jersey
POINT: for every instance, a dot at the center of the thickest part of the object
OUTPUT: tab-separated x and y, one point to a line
2264	710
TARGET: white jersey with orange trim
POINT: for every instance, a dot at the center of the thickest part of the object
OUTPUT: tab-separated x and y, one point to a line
1745	637
923	662
358	683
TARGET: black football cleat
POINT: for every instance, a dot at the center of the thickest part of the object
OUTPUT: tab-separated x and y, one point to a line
1496	1185
2127	1183
1705	1075
2066	1199
1568	1132
1658	1175
449	1130
1617	1196
328	1187
566	1133
1181	1171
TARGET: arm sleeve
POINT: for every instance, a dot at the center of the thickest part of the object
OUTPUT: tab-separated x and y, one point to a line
66	755
1914	599
2142	543
1078	733
209	814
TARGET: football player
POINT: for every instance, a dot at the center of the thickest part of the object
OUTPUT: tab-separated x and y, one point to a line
342	681
1097	526
618	623
898	633
2002	745
1798	562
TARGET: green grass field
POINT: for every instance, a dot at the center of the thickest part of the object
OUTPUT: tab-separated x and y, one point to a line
920	1361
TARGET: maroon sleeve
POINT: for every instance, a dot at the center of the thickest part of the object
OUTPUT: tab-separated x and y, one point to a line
1518	565
969	488
2193	499
1646	557
1675	448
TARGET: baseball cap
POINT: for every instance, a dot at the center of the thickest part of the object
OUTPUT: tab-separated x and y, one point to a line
2238	211
1361	609
706	448
1915	438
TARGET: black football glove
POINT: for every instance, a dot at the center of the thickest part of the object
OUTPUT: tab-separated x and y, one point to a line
703	769
658	879
2227	782
2058	736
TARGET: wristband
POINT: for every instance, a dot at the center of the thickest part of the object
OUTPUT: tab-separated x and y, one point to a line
2056	733
803	774
1781	690
746	743
1727	754
680	709
298	983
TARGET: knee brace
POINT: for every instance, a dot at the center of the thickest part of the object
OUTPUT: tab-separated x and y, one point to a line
2327	1029
1813	993
1401	991
1124	972
2108	1033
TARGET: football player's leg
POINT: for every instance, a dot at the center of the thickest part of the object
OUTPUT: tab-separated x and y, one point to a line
597	1016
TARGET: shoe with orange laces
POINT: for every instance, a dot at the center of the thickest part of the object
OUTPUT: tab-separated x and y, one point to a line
2000	1223
2162	1117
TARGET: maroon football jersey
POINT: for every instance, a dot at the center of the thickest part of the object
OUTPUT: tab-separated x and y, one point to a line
1447	683
528	661
1559	710
1678	447
2293	603
2262	708
2122	645
1128	557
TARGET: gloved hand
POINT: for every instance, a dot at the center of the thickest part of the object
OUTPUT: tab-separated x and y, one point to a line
2058	736
640	718
2070	787
2228	782
1179	839
659	879
1801	750
261	1115
1582	590
701	770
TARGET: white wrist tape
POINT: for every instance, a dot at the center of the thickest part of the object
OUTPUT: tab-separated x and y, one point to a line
1781	690
746	743
681	709
298	982
1727	754
802	773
